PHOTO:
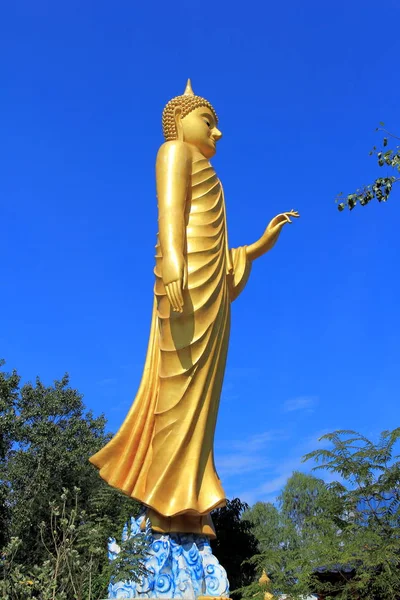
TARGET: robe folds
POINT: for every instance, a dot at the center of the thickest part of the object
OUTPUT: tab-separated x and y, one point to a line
163	453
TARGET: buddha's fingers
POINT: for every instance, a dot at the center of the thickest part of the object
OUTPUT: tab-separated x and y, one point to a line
178	294
176	298
170	295
174	293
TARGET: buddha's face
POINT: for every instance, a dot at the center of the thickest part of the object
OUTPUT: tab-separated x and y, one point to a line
200	130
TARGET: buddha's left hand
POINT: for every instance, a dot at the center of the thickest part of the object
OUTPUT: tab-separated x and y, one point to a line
271	234
275	226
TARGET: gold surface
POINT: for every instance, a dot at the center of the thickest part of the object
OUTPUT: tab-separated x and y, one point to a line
185	523
213	598
163	453
264	581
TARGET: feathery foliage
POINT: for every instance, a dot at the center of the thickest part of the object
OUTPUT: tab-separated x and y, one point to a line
342	539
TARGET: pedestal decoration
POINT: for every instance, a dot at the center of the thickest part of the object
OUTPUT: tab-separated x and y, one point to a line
177	566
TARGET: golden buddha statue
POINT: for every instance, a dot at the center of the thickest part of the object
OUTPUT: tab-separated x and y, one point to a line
163	453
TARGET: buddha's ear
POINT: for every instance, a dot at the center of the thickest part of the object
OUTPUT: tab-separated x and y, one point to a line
178	123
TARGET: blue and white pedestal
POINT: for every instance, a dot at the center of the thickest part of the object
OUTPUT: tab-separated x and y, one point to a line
176	566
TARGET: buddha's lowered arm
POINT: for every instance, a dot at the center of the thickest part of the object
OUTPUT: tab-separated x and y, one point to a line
173	168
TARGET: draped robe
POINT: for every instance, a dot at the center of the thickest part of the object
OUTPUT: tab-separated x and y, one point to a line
163	453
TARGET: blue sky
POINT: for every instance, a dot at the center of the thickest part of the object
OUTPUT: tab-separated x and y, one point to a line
299	88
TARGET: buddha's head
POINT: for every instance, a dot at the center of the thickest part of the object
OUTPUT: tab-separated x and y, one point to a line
193	120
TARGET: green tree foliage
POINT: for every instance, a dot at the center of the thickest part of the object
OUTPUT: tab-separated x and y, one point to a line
277	544
381	188
75	567
368	541
309	509
301	499
9	385
46	438
340	539
283	532
235	543
266	524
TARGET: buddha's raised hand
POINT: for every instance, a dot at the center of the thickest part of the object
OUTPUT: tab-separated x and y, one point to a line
271	234
276	224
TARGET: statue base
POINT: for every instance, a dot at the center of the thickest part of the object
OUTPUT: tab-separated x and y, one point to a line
174	565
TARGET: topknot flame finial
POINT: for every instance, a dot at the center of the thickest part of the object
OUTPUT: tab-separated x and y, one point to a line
188	90
264	579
